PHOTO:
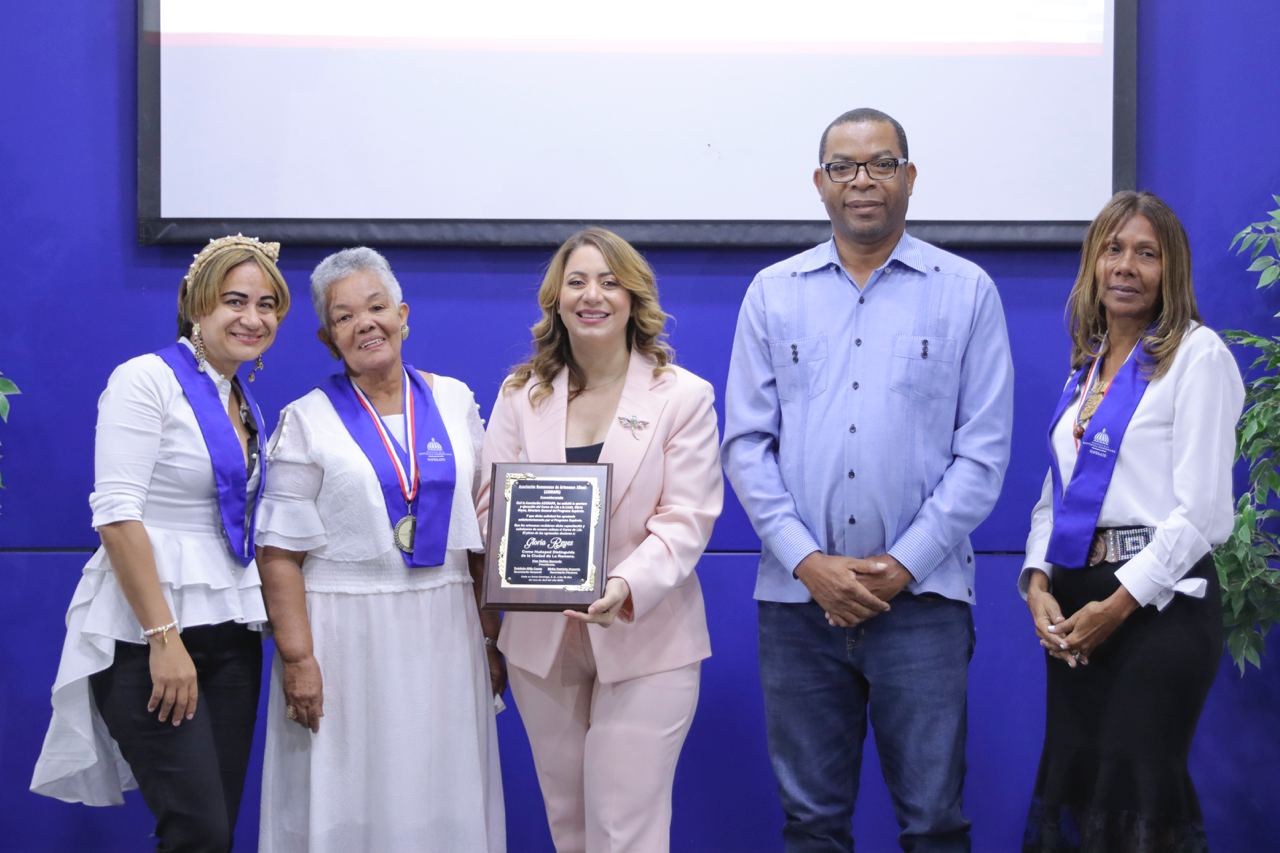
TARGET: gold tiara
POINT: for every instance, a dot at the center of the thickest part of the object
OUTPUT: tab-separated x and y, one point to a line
270	251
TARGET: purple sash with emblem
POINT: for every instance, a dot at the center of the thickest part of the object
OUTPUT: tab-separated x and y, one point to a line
1076	509
417	480
225	454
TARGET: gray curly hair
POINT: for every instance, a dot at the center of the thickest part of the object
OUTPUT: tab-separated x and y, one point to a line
339	265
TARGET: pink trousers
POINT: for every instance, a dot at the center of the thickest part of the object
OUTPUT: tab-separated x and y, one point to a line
605	753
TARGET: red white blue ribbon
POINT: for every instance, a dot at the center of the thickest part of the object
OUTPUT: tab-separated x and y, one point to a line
408	478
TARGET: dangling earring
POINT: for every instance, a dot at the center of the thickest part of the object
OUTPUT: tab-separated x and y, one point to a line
257	368
404	331
197	341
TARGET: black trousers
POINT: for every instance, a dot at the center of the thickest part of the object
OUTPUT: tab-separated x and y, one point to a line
191	776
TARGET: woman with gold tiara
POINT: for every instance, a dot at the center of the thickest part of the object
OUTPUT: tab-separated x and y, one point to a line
158	683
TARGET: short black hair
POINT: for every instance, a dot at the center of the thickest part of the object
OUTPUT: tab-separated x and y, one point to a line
858	116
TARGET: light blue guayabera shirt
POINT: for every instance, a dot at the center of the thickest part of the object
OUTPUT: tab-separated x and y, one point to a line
860	422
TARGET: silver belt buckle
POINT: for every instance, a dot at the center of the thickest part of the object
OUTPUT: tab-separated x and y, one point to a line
1124	544
1113	546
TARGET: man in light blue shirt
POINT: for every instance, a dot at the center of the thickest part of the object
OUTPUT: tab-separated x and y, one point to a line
868	413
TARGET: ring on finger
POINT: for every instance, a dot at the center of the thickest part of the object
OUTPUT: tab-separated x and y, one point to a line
1075	656
290	712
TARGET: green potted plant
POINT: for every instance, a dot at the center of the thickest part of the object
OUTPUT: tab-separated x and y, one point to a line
1248	562
7	389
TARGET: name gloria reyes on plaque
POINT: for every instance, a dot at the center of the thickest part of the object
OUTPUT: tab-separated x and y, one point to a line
548	535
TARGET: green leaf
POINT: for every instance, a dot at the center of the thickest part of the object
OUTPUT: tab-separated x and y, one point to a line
7	386
1261	263
1245	238
1248	430
1269	277
4	409
1235	644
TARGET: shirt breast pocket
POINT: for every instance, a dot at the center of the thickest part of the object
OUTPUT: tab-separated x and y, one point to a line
924	367
800	366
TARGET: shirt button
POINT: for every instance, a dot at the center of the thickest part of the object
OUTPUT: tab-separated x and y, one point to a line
853	428
861	299
969	559
851	474
970	592
855	386
857	342
853	520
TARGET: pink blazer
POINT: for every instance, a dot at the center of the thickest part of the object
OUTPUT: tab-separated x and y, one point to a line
667	493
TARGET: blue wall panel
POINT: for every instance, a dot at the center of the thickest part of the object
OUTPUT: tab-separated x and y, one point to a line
725	801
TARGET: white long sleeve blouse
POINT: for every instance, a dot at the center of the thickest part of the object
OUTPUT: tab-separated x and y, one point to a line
1173	473
150	465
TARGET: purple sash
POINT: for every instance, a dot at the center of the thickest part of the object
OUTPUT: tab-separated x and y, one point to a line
224	449
433	503
1075	510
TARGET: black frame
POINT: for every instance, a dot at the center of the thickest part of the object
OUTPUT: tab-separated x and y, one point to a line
154	229
494	596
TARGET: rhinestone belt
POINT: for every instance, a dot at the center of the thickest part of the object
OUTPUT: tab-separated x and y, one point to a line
1117	544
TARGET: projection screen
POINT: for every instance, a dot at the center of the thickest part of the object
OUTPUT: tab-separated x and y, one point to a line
690	122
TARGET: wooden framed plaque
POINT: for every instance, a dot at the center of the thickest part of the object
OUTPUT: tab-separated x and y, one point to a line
548	535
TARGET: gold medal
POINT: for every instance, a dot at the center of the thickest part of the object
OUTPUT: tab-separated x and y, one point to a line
404	531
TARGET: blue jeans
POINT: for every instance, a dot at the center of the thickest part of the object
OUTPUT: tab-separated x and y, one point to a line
910	667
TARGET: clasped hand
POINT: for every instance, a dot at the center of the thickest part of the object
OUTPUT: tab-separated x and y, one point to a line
852	590
1072	640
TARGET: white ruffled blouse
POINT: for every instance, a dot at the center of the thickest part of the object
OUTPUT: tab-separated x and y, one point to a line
150	465
323	498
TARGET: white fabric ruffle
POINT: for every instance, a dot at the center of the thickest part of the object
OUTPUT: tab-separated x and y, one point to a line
407	753
151	466
311	448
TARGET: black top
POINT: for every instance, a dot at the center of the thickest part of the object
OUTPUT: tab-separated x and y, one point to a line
587	453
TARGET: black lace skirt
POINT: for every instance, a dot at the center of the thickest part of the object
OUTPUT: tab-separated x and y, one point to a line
1113	774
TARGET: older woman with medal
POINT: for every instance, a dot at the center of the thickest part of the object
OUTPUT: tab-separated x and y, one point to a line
158	683
1119	576
607	696
380	729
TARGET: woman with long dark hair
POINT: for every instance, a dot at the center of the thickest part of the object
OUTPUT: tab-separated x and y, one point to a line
1119	575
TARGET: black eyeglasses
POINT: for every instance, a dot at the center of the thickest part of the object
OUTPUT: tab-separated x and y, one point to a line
880	169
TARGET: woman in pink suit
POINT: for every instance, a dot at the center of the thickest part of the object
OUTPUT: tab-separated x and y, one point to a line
607	696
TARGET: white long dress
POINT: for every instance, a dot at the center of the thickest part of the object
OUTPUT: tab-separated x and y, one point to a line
406	758
150	465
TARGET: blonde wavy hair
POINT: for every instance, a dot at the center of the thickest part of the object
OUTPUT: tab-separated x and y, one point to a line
552	352
1176	304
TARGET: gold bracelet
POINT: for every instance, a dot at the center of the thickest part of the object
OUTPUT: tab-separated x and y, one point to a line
162	630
